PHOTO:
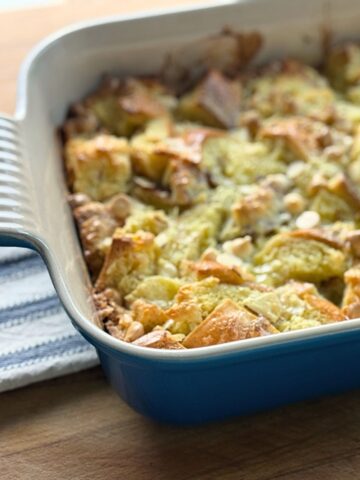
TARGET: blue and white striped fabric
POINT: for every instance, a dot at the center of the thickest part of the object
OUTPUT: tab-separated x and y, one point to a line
37	340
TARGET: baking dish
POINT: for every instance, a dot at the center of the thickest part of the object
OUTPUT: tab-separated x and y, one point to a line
187	386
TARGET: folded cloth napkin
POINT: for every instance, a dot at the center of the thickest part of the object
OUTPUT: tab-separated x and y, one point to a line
37	339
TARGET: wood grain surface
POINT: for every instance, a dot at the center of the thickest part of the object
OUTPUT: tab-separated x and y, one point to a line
21	29
76	428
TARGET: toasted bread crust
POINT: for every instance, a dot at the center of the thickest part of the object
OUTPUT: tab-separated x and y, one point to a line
226	274
228	323
326	308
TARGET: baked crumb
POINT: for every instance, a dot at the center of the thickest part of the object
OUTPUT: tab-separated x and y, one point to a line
225	212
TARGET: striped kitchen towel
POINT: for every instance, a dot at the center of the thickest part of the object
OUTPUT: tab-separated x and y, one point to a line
37	340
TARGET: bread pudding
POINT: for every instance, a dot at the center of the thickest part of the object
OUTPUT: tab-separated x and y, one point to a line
228	211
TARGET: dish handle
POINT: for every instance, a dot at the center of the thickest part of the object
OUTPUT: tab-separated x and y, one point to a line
18	222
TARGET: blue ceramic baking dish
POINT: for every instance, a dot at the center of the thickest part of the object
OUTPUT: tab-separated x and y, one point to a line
189	386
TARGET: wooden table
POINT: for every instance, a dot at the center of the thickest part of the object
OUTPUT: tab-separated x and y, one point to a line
76	428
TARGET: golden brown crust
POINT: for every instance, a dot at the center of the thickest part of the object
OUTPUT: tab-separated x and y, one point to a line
148	314
105	157
136	101
123	106
96	223
220	99
302	135
183	316
327	309
319	235
228	323
154	148
186	146
351	298
183	184
226	274
302	288
186	183
229	52
352	283
352	311
302	255
252	207
129	255
353	238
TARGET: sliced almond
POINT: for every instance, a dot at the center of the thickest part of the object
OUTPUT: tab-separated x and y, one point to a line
159	339
241	247
135	330
308	219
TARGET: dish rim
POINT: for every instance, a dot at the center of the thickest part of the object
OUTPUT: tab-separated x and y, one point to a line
94	333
